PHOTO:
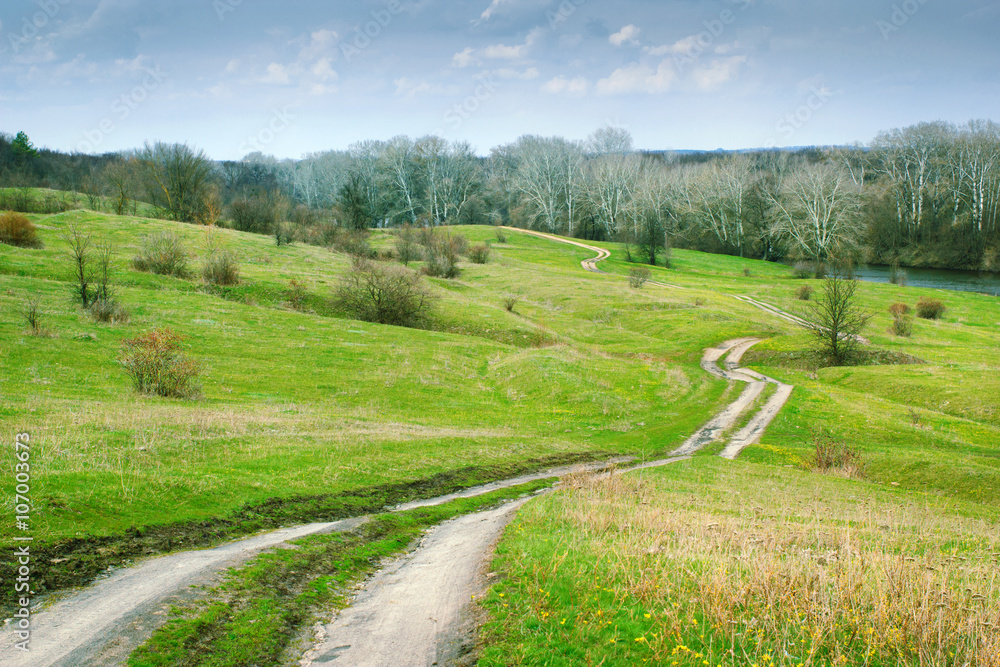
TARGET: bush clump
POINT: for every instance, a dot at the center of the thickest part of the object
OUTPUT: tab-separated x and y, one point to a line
221	268
163	254
441	255
638	276
834	456
802	270
930	309
480	254
108	311
501	235
384	294
899	310
804	293
157	366
17	230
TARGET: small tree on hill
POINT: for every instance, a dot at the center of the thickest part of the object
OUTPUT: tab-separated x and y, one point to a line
839	317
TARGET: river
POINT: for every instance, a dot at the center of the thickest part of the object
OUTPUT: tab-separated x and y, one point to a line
949	279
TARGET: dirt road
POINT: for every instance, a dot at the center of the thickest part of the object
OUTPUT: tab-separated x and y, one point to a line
416	612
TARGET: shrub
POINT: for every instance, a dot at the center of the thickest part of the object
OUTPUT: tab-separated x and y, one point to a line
284	233
32	312
163	254
108	311
221	268
509	301
442	257
501	235
259	213
17	230
480	254
820	270
296	294
383	293
638	276
802	270
354	242
930	309
804	293
902	326
898	310
831	455
898	276
157	366
407	249
746	271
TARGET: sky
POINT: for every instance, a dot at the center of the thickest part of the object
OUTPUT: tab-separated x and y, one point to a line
302	76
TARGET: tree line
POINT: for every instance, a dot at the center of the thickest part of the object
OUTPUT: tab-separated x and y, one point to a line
925	195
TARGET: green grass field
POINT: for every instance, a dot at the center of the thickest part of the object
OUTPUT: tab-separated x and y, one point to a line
316	410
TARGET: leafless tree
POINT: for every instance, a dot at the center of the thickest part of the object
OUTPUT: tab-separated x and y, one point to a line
817	210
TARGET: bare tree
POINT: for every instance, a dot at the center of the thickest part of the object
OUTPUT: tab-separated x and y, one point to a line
817	212
177	178
121	177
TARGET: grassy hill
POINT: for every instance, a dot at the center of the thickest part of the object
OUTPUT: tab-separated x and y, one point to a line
305	414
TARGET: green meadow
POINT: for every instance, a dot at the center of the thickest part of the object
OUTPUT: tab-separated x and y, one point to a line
304	413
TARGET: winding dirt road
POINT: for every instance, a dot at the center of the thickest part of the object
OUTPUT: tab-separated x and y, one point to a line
417	611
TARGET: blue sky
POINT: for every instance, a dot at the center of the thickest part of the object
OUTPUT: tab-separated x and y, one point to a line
300	76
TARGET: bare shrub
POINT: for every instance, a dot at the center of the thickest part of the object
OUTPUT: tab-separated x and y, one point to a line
802	270
804	293
108	311
79	248
284	233
162	254
897	276
407	249
221	267
480	254
501	235
259	213
17	230
383	293
930	309
902	326
638	276
442	256
354	242
747	272
157	366
899	310
296	294
830	455
33	317
510	301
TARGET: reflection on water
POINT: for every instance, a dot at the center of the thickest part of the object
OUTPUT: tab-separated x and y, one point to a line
961	281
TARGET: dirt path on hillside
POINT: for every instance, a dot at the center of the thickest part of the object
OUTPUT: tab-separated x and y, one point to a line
419	606
103	623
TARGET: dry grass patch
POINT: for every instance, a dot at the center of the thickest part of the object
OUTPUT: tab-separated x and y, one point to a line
755	570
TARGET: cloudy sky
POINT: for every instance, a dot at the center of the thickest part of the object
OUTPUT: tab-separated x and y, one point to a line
298	76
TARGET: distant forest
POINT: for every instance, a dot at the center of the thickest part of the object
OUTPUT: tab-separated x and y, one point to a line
925	195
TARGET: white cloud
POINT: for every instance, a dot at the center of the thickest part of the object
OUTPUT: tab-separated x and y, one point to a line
690	45
488	14
322	89
323	70
627	35
529	74
321	43
465	58
406	87
638	78
562	85
276	75
470	56
232	66
717	73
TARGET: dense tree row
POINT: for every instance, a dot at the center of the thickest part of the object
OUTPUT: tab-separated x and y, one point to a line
927	194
